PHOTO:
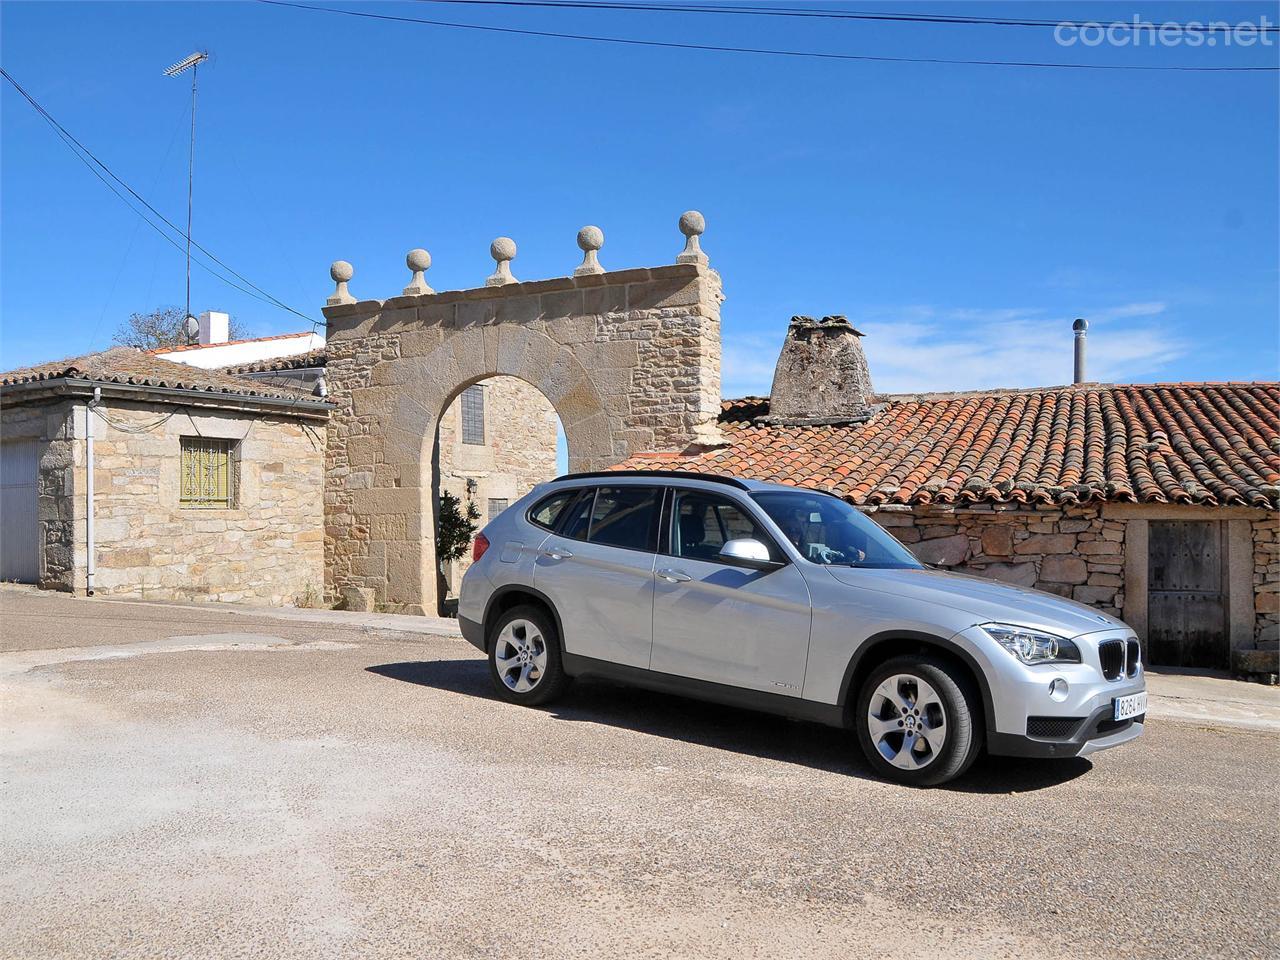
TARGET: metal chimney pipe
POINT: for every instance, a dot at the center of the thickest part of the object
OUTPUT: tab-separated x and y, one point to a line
1081	328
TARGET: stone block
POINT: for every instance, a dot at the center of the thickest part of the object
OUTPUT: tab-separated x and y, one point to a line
1021	574
1063	569
359	599
1087	593
1255	661
1046	543
997	540
943	551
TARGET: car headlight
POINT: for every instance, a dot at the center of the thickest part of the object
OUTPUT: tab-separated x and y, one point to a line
1032	646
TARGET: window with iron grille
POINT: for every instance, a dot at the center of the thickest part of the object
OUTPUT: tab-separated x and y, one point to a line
496	506
473	415
209	472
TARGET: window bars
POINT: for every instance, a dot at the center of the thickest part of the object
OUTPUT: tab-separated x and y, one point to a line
208	472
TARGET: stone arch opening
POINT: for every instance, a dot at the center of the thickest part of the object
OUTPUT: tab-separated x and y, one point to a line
496	439
629	360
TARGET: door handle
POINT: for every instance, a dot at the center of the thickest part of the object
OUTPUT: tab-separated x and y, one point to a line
674	576
554	554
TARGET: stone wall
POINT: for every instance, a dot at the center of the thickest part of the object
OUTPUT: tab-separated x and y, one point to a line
630	360
1266	580
52	424
1071	551
267	548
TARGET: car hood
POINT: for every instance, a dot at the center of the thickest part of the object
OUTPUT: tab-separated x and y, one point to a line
986	600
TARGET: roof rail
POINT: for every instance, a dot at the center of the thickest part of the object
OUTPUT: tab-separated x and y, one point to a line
657	474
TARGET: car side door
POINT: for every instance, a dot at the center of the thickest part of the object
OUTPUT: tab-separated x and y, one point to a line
597	569
719	621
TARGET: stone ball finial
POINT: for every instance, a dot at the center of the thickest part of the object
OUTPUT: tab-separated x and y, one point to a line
590	240
503	251
419	261
692	225
341	273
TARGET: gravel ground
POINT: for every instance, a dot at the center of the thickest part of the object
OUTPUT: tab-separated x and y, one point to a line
178	782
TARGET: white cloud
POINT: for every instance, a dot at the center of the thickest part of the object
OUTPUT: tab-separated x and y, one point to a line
921	348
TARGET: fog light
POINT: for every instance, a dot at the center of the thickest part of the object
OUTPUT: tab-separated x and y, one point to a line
1058	689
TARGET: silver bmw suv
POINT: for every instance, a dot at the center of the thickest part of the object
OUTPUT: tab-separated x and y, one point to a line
791	601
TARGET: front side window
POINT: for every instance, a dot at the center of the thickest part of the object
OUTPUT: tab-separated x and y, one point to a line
702	523
208	472
617	517
829	531
473	415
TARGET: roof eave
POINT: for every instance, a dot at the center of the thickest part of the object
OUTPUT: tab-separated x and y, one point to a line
36	390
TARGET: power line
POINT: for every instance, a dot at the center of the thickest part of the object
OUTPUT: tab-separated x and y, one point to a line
809	12
85	155
803	54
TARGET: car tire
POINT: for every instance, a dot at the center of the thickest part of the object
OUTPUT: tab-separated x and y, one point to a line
919	720
524	657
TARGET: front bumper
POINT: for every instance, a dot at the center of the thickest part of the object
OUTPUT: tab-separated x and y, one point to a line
1094	733
1029	721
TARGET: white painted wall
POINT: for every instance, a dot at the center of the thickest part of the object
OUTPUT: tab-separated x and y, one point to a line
237	352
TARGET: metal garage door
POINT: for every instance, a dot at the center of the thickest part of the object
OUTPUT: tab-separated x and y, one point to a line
1187	610
19	529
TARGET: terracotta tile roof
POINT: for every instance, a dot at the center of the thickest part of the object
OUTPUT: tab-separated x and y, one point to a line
1205	443
126	365
299	361
229	343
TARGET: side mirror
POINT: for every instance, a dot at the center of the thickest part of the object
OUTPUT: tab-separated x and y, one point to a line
747	553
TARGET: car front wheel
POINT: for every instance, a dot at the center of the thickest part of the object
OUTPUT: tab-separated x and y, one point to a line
919	721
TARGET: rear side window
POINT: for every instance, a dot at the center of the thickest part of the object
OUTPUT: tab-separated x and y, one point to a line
547	511
617	517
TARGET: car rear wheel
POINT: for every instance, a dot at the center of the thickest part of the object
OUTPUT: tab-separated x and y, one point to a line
524	657
918	721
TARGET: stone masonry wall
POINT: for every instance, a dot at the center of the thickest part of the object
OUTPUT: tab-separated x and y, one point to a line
1071	551
1266	580
630	360
52	424
267	548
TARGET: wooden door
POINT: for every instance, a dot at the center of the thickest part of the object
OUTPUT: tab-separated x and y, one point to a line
1187	610
19	526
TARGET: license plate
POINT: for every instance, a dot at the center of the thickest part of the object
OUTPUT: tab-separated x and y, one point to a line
1130	706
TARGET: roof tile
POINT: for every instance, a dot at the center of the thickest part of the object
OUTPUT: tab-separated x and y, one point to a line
1204	443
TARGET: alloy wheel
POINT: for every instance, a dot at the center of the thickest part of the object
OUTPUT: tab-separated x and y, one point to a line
907	722
520	655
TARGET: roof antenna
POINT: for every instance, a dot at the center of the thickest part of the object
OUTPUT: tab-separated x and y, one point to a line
191	63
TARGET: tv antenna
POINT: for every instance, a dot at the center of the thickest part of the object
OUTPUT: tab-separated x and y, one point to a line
191	63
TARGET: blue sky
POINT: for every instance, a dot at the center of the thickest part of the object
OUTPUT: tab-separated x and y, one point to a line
960	215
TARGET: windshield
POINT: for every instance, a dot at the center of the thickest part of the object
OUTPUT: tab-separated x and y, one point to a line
829	531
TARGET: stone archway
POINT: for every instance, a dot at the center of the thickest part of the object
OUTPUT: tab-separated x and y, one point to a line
630	360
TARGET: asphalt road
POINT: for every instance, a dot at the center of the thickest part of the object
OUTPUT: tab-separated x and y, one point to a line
186	783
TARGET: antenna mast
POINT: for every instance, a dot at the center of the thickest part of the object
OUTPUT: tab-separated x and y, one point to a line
191	63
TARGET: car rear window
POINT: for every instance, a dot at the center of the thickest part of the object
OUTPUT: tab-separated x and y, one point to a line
617	517
547	511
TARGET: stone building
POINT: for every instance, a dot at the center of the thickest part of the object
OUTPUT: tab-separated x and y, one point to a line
131	476
1155	503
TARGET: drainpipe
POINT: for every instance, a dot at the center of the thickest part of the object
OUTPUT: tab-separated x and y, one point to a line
1081	328
91	564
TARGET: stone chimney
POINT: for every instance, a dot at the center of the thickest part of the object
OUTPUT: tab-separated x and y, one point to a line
215	327
822	375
